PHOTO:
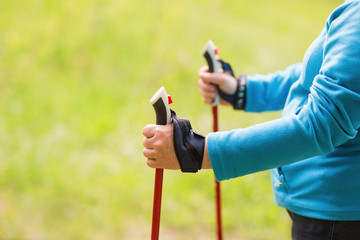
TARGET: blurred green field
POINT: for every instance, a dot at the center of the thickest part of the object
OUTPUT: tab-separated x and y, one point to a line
75	82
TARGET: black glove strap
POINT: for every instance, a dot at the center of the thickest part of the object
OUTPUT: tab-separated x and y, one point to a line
189	145
239	100
227	68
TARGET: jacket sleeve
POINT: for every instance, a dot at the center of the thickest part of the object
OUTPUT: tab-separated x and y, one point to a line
268	92
329	118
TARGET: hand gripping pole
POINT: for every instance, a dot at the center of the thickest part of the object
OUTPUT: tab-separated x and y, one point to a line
210	53
160	103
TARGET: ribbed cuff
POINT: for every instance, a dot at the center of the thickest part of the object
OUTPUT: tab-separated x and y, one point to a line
240	94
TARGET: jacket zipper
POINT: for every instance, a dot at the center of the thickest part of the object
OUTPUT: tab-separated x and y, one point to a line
281	176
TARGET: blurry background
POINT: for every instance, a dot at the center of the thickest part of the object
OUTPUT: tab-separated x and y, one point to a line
76	78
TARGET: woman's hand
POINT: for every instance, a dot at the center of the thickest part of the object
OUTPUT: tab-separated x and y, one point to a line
225	81
159	147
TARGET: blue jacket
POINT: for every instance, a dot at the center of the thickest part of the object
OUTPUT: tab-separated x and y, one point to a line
314	148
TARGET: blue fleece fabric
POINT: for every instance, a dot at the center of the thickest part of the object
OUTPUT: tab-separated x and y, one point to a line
314	149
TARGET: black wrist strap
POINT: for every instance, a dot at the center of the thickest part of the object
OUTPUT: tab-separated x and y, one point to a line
189	145
239	100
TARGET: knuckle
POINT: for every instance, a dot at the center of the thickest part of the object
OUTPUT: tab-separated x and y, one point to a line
157	145
161	132
203	69
149	130
145	130
210	88
145	152
151	163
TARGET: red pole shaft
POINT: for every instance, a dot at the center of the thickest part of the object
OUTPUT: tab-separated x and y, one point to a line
218	209
157	204
217	184
215	118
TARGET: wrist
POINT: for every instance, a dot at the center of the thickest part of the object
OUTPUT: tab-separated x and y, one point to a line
206	164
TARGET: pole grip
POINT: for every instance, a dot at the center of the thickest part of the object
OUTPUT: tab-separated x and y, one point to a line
161	106
210	54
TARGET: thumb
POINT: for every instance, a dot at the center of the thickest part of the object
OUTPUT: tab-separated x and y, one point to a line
214	78
149	130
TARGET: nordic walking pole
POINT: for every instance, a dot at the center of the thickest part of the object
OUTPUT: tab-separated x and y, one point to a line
160	102
210	54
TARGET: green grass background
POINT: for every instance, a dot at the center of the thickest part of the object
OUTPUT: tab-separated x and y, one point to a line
75	82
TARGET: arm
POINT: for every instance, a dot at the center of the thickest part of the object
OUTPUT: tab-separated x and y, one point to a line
263	92
269	92
328	119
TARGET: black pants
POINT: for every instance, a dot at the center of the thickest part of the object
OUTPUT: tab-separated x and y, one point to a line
304	228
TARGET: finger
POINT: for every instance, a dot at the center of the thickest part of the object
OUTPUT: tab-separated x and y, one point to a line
206	87
206	94
214	78
148	143
208	100
203	69
207	91
151	162
149	131
149	153
206	69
